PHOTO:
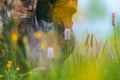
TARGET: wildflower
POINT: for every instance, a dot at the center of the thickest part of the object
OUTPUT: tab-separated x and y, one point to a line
38	34
50	53
1	76
9	64
17	69
67	34
113	19
14	37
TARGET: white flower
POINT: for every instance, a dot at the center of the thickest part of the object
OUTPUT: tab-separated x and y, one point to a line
50	52
67	34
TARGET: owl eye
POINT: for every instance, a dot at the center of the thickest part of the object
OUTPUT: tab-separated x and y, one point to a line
49	28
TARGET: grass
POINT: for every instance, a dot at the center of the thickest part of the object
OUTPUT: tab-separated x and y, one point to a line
89	61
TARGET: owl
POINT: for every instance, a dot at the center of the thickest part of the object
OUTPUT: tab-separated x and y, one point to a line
50	35
38	45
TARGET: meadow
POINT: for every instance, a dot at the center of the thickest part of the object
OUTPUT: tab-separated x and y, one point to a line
91	60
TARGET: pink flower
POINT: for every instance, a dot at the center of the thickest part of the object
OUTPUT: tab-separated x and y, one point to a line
113	18
50	53
67	34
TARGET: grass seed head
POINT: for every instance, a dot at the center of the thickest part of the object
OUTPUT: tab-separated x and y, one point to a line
113	18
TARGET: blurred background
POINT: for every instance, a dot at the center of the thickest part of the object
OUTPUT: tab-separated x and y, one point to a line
94	17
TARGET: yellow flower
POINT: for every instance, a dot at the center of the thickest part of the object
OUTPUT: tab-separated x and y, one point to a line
1	76
38	34
14	37
17	69
9	62
9	65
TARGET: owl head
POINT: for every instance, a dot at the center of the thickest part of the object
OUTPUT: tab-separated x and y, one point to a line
46	26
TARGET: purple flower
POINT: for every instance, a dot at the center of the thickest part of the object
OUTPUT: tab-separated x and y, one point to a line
113	18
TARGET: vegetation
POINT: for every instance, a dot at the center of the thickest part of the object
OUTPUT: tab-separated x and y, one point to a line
91	60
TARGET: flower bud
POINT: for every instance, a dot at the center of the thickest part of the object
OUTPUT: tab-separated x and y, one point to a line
67	34
50	53
113	19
